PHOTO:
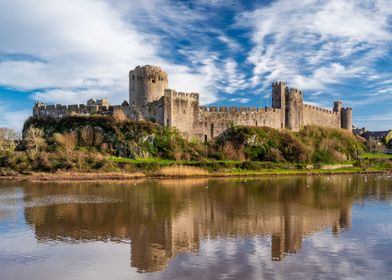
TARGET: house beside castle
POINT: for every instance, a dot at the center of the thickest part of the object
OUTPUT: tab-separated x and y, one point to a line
150	99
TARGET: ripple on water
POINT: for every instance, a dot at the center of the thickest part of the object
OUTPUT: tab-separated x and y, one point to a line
67	199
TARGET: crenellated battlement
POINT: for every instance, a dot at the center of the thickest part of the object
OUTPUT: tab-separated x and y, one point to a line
186	95
72	107
59	110
293	91
277	84
148	72
237	109
319	109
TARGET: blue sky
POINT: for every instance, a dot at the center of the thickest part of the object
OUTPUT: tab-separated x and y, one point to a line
67	51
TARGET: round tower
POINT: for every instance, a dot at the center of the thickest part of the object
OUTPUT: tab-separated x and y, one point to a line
146	84
279	100
346	118
294	102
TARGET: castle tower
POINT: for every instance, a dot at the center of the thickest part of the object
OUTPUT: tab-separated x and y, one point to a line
337	106
346	118
146	84
294	102
279	100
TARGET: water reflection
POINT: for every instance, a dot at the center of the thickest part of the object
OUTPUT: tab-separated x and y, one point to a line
162	219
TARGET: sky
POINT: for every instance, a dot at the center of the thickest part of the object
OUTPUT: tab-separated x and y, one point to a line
229	51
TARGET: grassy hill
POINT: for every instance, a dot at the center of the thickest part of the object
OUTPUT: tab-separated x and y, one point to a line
106	143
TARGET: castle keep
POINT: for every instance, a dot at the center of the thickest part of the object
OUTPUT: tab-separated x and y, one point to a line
150	99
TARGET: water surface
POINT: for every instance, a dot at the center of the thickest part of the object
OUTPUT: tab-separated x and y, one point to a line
267	228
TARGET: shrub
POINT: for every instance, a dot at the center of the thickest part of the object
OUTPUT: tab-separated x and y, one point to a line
119	115
67	141
87	136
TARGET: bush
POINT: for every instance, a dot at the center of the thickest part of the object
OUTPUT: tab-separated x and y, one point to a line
312	144
84	138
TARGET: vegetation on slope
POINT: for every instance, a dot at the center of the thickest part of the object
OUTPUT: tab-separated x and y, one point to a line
311	145
106	143
117	136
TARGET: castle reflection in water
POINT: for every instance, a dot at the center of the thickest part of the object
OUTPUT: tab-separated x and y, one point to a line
162	219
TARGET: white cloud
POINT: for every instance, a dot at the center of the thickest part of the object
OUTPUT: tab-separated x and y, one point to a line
313	43
82	48
240	100
64	96
232	44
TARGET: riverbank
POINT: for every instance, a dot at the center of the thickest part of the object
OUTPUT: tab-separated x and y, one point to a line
190	173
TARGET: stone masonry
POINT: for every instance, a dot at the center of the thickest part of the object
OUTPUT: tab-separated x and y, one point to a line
150	99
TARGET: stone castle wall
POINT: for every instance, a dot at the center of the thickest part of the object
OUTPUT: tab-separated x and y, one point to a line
59	111
181	111
153	111
313	115
213	121
150	100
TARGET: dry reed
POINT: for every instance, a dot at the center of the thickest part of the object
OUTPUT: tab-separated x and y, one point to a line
182	171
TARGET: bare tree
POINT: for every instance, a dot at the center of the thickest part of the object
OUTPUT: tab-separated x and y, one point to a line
67	141
35	141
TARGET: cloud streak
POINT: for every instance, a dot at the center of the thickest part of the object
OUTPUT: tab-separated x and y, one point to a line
313	44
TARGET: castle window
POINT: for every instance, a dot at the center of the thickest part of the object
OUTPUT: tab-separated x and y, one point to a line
184	111
205	138
212	131
153	80
167	122
281	125
133	77
256	123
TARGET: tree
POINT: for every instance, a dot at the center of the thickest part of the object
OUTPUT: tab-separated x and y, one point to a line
67	141
35	141
8	139
388	139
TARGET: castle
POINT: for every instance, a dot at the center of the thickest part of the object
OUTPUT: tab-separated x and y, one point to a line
150	99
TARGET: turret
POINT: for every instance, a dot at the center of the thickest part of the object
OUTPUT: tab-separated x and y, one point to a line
38	106
294	102
346	117
337	106
146	84
279	99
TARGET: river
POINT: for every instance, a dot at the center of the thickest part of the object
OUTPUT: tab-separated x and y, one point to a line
302	227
